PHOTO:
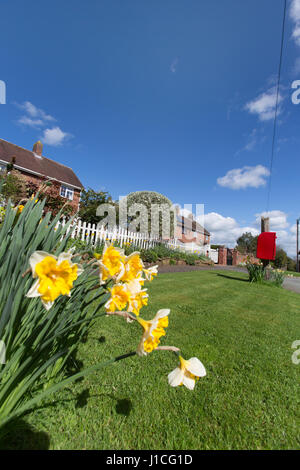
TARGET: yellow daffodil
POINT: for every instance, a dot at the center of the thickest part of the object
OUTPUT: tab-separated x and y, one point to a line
153	330
187	373
55	276
120	297
133	267
97	255
138	296
19	208
111	263
150	272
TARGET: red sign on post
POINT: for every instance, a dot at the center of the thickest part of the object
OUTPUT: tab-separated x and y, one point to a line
266	246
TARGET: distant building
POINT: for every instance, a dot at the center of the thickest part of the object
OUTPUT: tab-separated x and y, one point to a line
190	231
36	168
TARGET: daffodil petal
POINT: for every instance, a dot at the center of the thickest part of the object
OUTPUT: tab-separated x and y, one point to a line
188	382
47	305
161	313
196	367
175	377
33	291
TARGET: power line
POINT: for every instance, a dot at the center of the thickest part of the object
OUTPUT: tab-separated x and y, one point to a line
276	106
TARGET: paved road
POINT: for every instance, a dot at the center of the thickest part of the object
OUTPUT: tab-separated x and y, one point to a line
290	283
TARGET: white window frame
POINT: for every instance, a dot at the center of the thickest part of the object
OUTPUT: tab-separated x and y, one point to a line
66	192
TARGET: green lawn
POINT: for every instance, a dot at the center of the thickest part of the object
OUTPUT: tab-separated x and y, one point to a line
295	274
242	333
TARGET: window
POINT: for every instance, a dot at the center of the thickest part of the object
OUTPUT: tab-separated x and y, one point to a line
66	192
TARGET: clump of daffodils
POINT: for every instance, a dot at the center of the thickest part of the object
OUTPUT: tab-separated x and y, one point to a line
124	278
127	297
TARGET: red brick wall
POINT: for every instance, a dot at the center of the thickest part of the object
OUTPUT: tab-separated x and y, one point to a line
222	256
38	180
242	258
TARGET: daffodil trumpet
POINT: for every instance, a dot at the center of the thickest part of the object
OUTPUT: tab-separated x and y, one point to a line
55	276
153	331
111	263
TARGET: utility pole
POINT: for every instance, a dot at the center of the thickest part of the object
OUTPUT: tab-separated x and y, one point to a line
265	227
297	244
265	224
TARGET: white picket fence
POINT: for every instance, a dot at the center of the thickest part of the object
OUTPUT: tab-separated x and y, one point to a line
95	234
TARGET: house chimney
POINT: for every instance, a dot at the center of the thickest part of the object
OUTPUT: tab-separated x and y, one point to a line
38	148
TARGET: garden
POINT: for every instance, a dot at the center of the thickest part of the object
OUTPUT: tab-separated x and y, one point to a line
249	398
103	352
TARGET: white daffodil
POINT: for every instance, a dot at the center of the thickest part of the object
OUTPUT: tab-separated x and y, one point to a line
187	373
55	276
153	330
150	272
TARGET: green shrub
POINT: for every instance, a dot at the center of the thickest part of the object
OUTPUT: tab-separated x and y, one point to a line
191	259
149	256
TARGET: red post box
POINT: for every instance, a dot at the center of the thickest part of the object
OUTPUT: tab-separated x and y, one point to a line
266	246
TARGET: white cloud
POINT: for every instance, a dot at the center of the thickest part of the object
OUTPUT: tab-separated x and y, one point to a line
33	114
295	17
278	219
286	240
225	230
37	118
55	136
27	121
252	140
264	105
246	177
174	65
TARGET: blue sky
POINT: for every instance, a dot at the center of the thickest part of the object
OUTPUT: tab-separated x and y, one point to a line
168	95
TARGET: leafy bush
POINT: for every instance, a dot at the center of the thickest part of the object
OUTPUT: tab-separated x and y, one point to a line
13	186
148	199
90	200
149	256
191	259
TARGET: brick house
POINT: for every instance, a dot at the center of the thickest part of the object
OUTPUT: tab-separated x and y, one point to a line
189	231
36	168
